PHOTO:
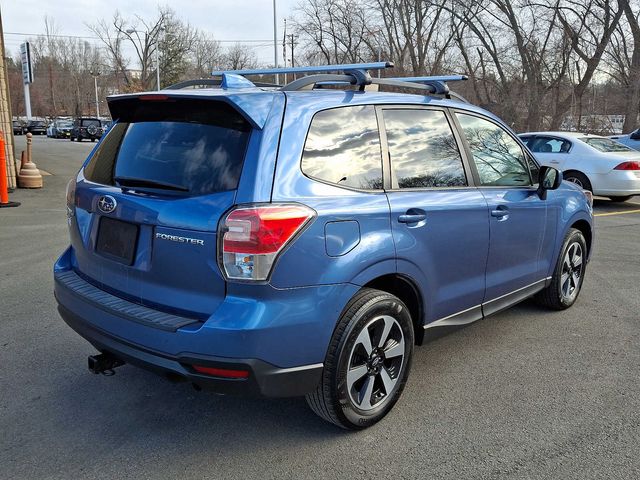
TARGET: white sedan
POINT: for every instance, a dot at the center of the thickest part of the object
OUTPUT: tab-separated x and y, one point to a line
595	163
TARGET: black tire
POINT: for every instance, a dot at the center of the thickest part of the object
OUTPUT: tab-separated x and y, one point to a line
70	138
579	179
79	138
621	199
557	295
332	400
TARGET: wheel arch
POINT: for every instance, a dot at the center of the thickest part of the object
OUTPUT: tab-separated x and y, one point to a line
407	290
569	171
585	229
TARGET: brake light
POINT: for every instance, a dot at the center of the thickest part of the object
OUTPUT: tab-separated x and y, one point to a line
251	238
71	199
634	165
221	372
153	97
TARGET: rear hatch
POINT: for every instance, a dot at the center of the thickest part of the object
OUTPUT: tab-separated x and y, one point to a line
149	199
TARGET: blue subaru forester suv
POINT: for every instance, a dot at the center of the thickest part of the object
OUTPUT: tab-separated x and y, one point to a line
300	240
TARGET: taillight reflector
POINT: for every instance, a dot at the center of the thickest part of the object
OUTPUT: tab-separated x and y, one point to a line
633	165
221	372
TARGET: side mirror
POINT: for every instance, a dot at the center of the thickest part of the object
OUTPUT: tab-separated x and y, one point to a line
635	135
548	179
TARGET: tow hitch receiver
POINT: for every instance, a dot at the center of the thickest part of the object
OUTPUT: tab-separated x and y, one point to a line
104	364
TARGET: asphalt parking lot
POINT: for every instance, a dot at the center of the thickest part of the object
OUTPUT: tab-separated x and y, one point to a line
527	393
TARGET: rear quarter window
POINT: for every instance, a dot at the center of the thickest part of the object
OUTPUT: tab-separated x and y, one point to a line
343	148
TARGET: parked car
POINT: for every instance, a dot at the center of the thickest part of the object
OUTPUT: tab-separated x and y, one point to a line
37	127
598	164
631	140
86	128
60	128
298	241
18	127
106	125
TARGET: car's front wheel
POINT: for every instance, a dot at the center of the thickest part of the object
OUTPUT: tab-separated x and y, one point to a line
367	363
568	275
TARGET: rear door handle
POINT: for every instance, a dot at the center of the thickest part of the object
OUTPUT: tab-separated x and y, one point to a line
412	218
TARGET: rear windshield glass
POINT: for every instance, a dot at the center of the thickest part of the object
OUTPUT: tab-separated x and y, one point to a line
89	122
605	144
188	147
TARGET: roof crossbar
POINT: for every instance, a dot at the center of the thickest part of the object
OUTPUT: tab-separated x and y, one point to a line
347	67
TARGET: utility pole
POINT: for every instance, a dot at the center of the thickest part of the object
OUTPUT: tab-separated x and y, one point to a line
275	41
95	74
292	43
292	46
284	49
157	65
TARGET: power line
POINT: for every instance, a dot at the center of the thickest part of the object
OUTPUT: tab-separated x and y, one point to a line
23	34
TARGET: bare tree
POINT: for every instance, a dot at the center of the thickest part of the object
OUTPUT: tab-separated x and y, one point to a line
239	57
589	25
623	62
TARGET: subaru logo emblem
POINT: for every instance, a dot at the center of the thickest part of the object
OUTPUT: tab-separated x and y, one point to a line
107	204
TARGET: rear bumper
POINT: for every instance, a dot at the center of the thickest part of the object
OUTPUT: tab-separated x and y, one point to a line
264	379
616	183
279	336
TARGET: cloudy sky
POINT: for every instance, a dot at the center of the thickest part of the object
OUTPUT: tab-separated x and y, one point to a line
227	20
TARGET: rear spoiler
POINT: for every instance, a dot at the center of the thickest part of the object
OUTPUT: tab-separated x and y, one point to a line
253	106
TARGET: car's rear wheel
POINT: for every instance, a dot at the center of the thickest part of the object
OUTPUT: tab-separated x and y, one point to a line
367	363
568	275
621	199
579	179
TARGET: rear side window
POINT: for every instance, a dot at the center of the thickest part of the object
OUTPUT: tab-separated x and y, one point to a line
423	150
184	146
549	145
343	147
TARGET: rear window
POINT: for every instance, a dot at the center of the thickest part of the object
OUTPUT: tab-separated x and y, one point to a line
191	147
605	144
89	122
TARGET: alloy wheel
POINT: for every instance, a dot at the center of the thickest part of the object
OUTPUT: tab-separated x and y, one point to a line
572	266
375	363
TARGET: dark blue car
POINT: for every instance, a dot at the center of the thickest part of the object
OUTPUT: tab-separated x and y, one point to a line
300	240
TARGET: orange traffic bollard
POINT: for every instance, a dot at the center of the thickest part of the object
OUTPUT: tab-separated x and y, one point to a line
4	189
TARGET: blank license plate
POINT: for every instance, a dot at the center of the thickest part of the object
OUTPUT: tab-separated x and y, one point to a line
117	240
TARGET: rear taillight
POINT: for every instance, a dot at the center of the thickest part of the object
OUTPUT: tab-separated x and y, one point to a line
634	165
71	198
252	237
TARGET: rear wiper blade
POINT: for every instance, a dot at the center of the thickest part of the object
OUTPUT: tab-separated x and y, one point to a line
143	182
